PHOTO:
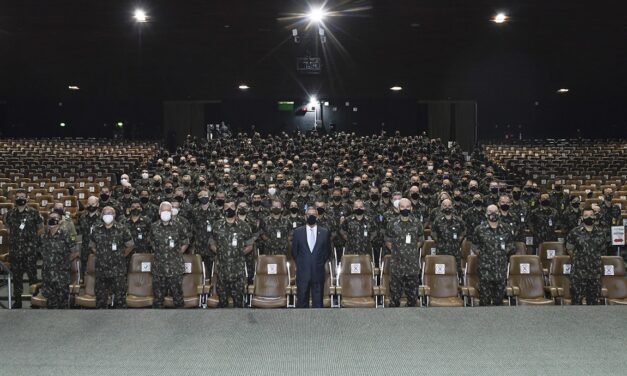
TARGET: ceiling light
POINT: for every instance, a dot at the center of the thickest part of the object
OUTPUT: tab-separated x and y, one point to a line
243	87
140	16
500	18
316	15
73	87
563	90
396	88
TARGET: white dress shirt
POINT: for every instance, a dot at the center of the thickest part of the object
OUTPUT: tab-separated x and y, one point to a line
311	237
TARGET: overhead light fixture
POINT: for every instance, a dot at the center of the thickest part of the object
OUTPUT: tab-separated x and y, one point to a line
243	87
500	18
563	90
316	15
396	88
73	87
140	16
62	125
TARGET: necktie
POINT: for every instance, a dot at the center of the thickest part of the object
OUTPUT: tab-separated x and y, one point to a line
311	238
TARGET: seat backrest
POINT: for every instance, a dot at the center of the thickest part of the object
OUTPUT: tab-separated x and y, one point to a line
385	275
613	278
75	267
559	274
140	275
328	278
521	248
471	277
428	248
90	276
466	246
356	276
194	275
439	272
525	272
271	276
4	241
548	250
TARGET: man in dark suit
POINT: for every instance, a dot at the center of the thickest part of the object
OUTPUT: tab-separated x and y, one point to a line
311	248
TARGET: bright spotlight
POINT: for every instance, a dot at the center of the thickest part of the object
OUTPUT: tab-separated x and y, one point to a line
563	90
140	16
500	18
244	87
396	88
62	125
316	15
313	100
73	87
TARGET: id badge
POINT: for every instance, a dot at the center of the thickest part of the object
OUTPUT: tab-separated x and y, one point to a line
114	247
550	223
502	246
293	224
278	234
208	227
234	241
22	226
171	243
408	239
140	236
365	232
455	236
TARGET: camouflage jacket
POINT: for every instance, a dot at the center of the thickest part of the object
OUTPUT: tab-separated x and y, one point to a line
405	237
110	245
358	234
140	232
495	246
86	225
448	234
23	226
230	239
166	241
55	251
277	231
543	222
586	248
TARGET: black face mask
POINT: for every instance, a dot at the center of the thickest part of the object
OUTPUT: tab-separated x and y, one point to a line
545	202
575	204
558	188
494	190
205	200
92	209
311	220
156	184
256	203
609	197
447	211
374	197
337	198
386	194
144	200
404	212
528	189
320	211
293	210
252	183
516	195
53	221
276	211
504	207
357	185
588	221
324	187
415	195
242	212
493	217
229	213
135	212
477	203
104	197
426	190
304	189
169	190
289	188
59	211
457	198
240	194
359	211
127	191
473	189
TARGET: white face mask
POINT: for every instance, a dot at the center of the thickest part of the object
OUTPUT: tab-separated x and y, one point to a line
166	216
272	191
430	168
144	176
175	212
396	203
227	170
123	181
107	218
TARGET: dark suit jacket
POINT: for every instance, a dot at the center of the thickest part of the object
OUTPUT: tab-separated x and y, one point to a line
310	265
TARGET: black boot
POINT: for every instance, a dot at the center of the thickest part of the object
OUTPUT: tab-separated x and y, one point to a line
17	304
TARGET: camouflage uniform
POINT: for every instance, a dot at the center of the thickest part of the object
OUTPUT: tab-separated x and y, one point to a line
473	217
111	263
23	226
203	222
586	249
543	222
86	223
514	224
569	218
358	235
495	246
140	232
405	261
55	251
168	267
277	231
448	234
230	239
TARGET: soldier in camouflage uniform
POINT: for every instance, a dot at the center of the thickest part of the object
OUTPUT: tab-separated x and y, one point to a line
256	226
111	242
358	231
448	231
57	248
149	210
23	223
404	237
586	244
571	215
139	227
87	221
508	218
474	216
494	244
543	221
231	240
203	220
65	220
277	234
168	242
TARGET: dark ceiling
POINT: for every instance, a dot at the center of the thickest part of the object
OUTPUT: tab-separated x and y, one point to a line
204	49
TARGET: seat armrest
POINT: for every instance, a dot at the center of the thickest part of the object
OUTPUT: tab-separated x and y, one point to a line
464	290
376	290
4	257
512	291
288	290
552	291
250	289
338	290
424	290
604	292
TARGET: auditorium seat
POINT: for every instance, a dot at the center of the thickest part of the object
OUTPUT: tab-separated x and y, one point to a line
470	289
525	282
559	278
428	248
87	298
139	293
271	283
613	280
356	283
440	286
547	251
40	301
384	281
193	283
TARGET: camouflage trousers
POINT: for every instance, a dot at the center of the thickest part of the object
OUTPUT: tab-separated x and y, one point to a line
20	264
111	285
250	266
56	292
206	254
491	292
585	288
404	284
85	252
173	286
233	288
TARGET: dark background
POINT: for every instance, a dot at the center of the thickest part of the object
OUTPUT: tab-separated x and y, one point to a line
202	50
